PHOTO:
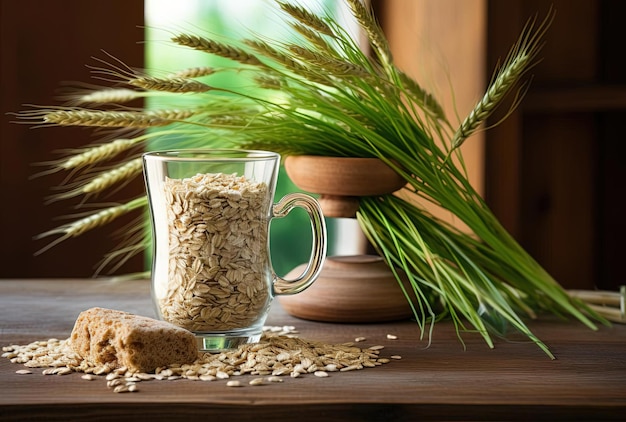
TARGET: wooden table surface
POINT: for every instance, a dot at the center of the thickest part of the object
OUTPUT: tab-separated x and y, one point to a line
443	381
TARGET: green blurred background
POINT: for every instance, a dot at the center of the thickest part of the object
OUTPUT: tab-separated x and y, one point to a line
290	237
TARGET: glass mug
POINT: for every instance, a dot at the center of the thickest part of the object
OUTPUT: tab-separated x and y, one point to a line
211	270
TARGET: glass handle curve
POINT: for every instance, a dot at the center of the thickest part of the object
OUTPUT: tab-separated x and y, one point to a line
282	286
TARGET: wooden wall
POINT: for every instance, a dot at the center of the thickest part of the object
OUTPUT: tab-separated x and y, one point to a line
553	171
442	45
45	43
556	177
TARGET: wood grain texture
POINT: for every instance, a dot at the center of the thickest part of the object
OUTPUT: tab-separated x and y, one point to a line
514	381
442	45
358	288
342	176
545	165
341	180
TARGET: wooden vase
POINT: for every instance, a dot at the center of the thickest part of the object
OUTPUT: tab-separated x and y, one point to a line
351	289
340	181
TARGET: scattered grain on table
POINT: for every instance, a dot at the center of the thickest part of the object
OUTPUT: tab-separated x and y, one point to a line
279	353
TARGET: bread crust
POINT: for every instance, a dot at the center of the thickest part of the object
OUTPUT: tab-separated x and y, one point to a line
120	339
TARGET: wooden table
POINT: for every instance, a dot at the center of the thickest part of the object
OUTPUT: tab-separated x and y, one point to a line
514	381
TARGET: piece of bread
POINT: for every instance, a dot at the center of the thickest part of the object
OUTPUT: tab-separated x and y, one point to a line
105	336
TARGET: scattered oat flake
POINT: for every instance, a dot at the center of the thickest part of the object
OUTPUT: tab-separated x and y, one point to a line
222	375
359	339
397	357
23	371
233	384
275	355
392	337
115	383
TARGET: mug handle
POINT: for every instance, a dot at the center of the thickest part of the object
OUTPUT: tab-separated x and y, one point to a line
280	286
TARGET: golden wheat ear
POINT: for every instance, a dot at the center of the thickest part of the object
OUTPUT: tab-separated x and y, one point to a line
219	49
90	222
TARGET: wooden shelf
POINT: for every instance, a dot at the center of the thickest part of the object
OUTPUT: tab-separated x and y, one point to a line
553	168
594	98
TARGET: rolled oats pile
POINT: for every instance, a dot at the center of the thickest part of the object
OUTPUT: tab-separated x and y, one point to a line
218	260
279	353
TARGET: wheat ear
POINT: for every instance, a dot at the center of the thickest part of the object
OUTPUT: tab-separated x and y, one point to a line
335	66
108	96
173	115
520	59
307	18
267	82
214	47
276	55
287	62
124	172
98	219
177	85
374	33
314	38
193	72
107	179
99	118
428	103
99	153
228	121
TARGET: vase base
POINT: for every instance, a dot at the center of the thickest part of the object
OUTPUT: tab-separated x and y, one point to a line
351	289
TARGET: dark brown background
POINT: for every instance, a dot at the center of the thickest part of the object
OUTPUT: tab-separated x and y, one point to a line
45	43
